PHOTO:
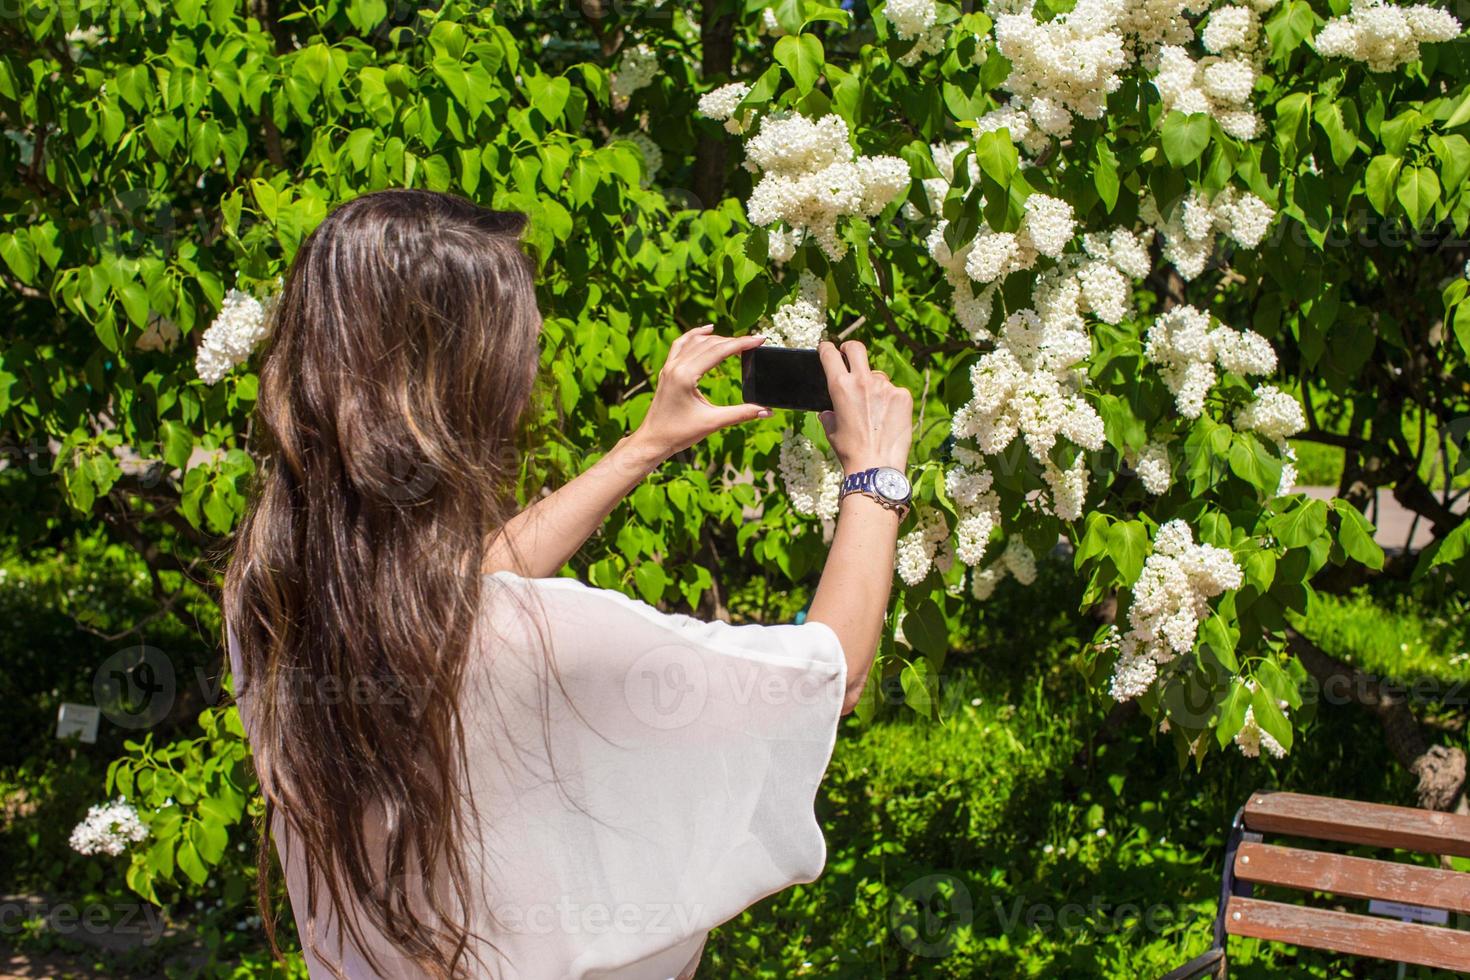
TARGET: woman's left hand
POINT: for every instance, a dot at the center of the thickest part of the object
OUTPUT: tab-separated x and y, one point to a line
680	415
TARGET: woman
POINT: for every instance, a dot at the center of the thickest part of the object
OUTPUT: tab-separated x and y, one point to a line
471	767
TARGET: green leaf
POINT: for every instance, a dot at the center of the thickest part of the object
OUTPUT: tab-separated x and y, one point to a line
1105	175
1418	192
1381	180
20	254
920	687
788	14
1292	24
210	839
135	301
176	443
1462	325
1185	137
189	863
1232	712
1299	526
997	156
1291	123
1453	152
925	630
1250	461
1454	547
1339	120
1128	546
802	57
1355	534
1215	634
651	580
550	96
1269	716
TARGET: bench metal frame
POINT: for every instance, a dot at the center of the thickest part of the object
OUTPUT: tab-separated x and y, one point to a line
1344	821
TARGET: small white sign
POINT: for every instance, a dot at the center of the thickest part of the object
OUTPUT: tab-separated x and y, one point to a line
78	721
1409	913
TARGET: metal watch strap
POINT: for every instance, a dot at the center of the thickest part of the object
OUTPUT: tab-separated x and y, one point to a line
862	482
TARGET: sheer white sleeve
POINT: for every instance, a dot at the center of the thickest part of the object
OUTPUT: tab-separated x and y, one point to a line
651	779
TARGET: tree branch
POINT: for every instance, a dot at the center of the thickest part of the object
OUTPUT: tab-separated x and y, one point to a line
1440	770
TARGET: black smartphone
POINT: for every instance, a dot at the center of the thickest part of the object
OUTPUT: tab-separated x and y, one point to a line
784	377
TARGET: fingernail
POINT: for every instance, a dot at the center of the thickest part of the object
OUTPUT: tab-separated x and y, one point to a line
764	413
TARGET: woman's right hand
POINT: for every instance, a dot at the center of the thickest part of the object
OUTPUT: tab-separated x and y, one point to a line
872	419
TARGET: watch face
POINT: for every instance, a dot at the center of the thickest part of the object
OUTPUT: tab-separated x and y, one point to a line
891	484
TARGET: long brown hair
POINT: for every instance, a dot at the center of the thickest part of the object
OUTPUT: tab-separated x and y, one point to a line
391	395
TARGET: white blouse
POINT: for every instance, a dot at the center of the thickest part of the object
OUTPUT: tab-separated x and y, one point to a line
649	780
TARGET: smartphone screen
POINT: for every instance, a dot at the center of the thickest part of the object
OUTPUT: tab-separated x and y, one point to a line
784	377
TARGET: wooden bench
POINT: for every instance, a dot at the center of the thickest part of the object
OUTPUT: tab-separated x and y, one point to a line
1250	862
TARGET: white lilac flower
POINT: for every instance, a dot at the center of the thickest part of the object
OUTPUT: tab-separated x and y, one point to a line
1019	561
1288	469
1232	27
993	255
635	69
982	585
243	322
1384	35
1153	468
1274	414
720	104
931	41
1190	229
1218	86
800	321
1170	600
1126	250
1017	122
1071	60
108	829
1151	24
810	177
1187	344
910	18
1049	223
978	509
920	549
1068	488
813	479
781	245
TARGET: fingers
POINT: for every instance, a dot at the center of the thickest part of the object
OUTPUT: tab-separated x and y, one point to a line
699	331
705	353
857	357
832	362
724	415
828	420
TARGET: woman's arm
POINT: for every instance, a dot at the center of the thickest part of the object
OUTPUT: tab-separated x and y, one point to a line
871	424
537	542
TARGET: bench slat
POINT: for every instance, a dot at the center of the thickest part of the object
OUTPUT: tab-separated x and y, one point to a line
1352	877
1343	932
1352	822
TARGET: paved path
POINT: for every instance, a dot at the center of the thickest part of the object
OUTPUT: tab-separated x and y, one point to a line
1393	520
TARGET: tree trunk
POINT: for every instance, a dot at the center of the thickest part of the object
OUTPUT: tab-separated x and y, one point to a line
1440	769
717	57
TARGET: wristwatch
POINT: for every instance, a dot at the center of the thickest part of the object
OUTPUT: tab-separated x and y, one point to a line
884	484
